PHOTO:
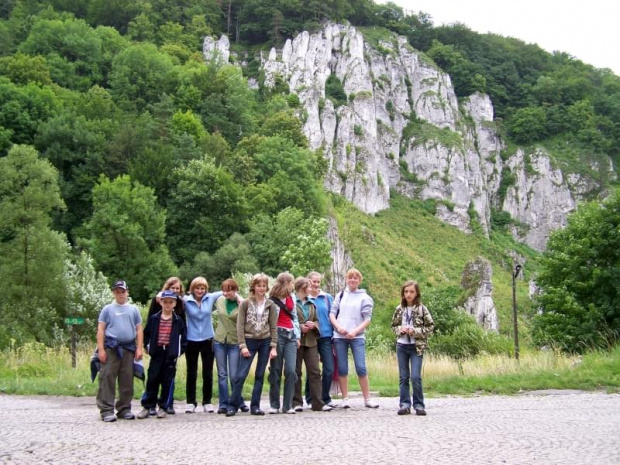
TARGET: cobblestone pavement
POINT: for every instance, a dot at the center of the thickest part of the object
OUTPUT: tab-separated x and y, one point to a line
550	428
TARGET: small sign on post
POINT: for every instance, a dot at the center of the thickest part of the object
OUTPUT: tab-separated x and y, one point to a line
71	322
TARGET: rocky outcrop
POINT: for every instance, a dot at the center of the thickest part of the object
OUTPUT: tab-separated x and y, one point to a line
476	281
341	260
403	128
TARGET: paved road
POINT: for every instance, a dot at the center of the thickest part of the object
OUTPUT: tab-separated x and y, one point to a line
557	428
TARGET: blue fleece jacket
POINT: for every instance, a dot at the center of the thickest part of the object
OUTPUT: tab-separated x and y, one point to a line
323	302
199	322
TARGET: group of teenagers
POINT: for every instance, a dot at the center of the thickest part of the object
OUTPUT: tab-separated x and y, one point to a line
293	324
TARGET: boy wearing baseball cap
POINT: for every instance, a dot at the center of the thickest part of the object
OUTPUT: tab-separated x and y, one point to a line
119	342
165	341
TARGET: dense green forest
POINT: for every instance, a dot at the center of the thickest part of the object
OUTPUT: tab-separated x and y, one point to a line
124	153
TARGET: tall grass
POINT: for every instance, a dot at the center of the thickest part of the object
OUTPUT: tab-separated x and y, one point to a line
36	369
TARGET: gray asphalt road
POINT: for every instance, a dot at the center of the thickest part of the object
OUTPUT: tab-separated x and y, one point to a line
550	428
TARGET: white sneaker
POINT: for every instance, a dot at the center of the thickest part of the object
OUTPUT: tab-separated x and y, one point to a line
370	403
208	408
299	408
291	411
326	408
333	404
273	411
190	408
345	403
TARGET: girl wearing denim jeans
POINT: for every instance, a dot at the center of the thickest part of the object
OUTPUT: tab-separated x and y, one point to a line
412	323
350	316
289	335
225	342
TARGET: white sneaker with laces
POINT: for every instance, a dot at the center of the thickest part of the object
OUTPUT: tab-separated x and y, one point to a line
333	404
190	408
370	403
291	411
326	408
299	408
345	403
273	411
208	408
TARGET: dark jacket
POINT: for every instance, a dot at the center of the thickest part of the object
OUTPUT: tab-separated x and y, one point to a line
178	336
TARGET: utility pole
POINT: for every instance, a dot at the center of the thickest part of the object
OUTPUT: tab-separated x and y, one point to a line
515	274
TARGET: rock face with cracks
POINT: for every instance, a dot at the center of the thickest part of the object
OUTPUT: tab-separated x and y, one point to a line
403	128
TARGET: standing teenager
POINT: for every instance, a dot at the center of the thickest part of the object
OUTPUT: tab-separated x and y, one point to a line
119	343
226	342
323	303
412	323
289	335
350	315
165	341
257	335
308	353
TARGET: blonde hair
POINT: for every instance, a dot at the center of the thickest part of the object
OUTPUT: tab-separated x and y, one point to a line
171	282
199	281
279	289
312	274
354	272
258	279
301	283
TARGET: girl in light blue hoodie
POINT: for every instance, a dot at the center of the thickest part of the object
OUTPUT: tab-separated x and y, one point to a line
350	315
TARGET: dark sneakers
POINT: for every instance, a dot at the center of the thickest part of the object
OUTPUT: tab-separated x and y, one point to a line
170	411
420	411
109	417
231	413
257	411
404	411
126	416
221	411
244	408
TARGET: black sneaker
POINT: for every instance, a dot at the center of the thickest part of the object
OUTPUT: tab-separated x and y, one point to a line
420	411
231	413
127	416
170	411
152	412
404	411
244	408
257	411
221	411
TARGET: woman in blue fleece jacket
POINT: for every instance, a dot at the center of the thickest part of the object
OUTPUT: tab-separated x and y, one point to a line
198	311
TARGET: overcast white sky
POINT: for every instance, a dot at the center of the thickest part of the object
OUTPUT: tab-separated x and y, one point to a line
586	29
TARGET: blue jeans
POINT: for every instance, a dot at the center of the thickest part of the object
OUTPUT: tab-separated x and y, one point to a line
326	352
409	367
227	360
258	347
358	347
287	360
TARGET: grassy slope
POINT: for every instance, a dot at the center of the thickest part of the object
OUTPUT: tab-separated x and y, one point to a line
407	242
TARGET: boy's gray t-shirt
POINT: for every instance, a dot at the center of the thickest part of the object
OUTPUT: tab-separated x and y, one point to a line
121	321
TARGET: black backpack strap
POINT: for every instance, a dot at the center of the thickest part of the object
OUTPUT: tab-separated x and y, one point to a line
339	297
279	303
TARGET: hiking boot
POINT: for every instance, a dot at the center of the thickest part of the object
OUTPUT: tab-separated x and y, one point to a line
404	411
161	413
144	413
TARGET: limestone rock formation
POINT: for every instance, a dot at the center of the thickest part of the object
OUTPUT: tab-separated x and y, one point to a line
476	280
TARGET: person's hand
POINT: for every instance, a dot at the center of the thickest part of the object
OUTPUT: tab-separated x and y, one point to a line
103	356
404	330
351	334
342	331
245	352
273	354
138	354
310	325
304	328
410	332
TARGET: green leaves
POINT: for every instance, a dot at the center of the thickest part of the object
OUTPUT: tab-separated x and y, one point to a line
580	302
